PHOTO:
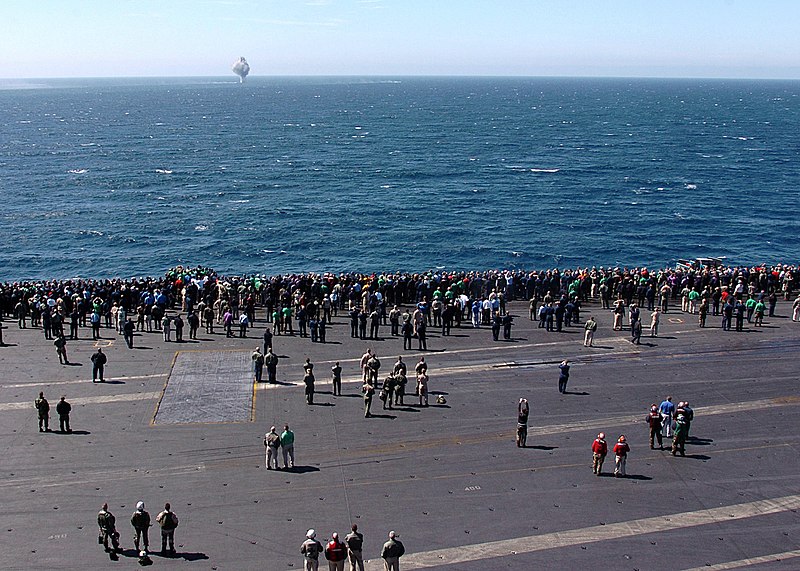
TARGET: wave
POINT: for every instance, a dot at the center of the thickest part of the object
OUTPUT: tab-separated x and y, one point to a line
520	168
163	171
78	171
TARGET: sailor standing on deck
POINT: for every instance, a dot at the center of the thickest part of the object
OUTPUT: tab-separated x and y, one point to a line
311	548
43	409
590	327
258	364
667	409
354	541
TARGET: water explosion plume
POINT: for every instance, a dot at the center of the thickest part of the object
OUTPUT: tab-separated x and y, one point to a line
241	68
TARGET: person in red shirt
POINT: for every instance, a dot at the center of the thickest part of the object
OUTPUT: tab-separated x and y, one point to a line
599	451
654	420
621	450
335	553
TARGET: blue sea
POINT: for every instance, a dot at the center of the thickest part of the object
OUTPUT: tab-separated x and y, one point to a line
128	177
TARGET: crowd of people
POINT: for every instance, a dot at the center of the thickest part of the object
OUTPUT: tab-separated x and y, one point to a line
439	299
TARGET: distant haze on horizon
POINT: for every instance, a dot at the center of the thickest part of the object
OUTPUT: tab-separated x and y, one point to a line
187	38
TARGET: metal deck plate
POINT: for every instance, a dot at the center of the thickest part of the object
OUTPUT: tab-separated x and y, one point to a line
208	386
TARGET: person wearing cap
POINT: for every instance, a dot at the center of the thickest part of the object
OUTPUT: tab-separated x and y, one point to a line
355	541
599	452
391	553
563	376
522	422
653	419
311	548
258	364
140	520
621	450
272	442
681	430
335	553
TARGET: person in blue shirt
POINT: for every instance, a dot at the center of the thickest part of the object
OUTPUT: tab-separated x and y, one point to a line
667	410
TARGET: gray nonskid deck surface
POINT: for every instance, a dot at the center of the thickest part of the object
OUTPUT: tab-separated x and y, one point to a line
208	386
448	477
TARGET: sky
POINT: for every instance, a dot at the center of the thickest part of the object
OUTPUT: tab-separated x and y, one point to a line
618	38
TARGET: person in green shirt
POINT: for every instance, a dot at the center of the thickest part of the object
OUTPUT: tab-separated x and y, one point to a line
694	295
750	306
287	320
759	313
287	445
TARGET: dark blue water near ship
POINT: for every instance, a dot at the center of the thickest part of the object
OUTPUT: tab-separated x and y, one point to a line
129	177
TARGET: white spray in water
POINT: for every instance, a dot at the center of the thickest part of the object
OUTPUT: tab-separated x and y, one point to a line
241	68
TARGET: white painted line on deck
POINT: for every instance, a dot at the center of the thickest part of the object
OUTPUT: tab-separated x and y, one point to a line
639	418
104	475
772	558
81	381
126	397
593	534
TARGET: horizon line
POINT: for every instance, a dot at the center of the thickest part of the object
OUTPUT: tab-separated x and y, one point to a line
410	76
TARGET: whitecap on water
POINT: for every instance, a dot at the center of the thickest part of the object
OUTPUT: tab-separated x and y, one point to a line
545	170
78	171
163	171
201	228
691	187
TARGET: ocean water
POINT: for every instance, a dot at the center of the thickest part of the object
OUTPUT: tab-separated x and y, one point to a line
106	178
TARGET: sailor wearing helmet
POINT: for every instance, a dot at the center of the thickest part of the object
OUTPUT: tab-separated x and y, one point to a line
311	548
621	450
